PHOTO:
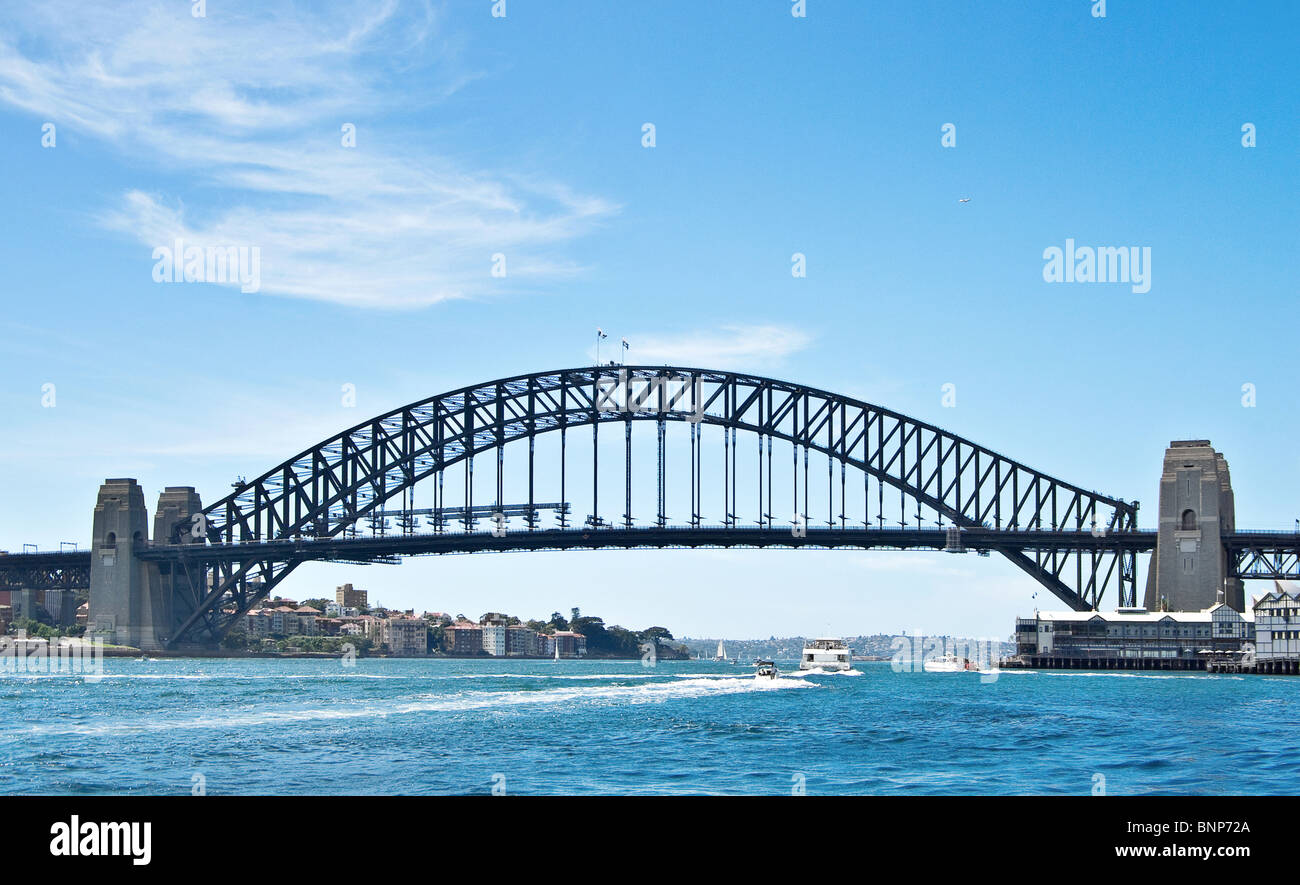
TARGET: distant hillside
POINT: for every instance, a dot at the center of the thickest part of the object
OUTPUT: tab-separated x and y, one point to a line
880	645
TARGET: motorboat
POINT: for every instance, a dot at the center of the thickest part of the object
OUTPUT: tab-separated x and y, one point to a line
950	663
765	670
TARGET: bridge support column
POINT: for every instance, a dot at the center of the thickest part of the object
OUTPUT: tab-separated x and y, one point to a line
133	602
174	590
1190	565
121	601
24	602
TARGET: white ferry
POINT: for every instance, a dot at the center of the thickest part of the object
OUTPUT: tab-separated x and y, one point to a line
826	654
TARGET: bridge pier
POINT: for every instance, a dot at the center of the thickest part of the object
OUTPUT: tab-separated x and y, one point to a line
119	583
132	602
23	603
170	588
1190	564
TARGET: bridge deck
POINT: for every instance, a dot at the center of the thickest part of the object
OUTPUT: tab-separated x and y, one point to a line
381	548
649	537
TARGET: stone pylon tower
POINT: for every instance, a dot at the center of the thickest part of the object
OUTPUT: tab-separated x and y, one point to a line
133	602
1189	567
171	587
119	583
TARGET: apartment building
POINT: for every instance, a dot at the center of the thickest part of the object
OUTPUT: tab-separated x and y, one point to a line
464	638
405	637
570	644
347	596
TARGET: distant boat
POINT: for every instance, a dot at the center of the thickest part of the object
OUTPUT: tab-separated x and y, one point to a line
557	651
722	652
949	663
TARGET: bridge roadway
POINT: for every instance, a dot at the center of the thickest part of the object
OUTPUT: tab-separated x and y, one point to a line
1254	554
377	548
380	547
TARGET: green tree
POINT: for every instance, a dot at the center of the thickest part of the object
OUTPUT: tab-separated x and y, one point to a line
434	637
598	639
35	629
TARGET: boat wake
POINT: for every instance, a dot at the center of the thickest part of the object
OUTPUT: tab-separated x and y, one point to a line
462	702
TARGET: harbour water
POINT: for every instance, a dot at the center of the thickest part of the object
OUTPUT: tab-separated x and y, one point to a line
389	726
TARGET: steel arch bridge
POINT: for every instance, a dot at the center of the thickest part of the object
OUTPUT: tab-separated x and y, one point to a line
219	562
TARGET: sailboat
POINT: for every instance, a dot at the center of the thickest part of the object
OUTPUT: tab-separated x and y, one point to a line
557	650
722	652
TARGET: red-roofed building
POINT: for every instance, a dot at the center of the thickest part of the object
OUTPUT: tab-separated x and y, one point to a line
464	638
570	644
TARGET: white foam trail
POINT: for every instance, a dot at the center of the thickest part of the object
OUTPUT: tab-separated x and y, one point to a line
425	676
582	677
648	693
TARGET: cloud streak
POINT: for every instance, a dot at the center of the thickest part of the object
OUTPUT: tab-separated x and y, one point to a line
755	346
240	116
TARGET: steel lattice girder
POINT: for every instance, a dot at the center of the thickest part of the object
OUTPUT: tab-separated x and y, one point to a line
1273	558
327	488
63	578
63	570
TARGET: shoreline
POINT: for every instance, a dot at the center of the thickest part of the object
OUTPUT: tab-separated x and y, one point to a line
125	652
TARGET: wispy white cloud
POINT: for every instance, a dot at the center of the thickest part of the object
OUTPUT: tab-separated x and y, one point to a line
164	429
752	346
247	107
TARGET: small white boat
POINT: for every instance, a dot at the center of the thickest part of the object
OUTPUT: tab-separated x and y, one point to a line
949	663
766	670
826	654
722	652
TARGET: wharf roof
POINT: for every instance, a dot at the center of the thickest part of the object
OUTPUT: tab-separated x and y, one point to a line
1138	617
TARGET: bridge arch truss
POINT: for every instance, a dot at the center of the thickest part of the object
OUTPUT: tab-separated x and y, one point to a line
1077	549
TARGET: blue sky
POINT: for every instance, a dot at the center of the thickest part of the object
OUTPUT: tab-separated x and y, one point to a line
522	135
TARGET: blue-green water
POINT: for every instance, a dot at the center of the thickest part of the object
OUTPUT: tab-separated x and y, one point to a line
579	727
